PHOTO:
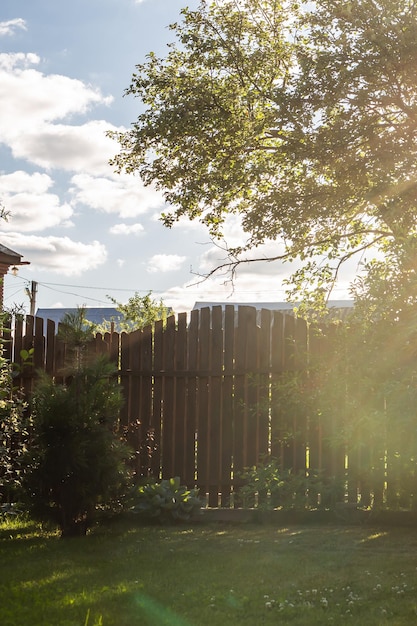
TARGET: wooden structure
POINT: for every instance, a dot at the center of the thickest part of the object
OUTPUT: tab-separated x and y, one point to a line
206	397
8	258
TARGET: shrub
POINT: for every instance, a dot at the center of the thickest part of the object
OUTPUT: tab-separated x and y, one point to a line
268	487
76	459
165	501
14	423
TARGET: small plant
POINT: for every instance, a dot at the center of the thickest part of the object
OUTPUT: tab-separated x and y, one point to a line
166	501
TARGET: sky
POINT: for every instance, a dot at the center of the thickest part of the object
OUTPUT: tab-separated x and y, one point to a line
88	233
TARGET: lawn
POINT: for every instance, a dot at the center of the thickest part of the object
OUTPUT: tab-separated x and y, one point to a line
124	574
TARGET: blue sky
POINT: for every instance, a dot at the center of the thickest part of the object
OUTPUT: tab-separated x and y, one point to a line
87	232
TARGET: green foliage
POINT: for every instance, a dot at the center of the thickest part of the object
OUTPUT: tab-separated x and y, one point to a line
297	116
138	312
270	487
357	394
74	328
165	501
76	458
14	429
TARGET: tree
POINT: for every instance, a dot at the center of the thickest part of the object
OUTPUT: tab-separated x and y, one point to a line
301	117
138	312
77	455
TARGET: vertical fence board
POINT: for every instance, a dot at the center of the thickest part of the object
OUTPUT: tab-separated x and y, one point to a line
289	416
125	378
241	409
300	413
169	406
317	355
28	369
333	442
135	345
277	371
135	431
264	357
228	417
203	437
251	391
145	402
183	448
215	406
191	409
50	348
158	388
39	344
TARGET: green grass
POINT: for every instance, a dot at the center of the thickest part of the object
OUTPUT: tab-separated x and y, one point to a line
123	575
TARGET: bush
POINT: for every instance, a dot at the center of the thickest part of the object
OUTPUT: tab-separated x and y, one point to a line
76	460
269	487
14	424
166	501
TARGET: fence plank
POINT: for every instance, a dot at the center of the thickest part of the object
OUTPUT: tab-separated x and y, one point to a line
227	403
50	348
145	402
191	400
299	463
264	382
203	437
134	424
242	451
215	407
158	388
125	378
169	406
183	448
277	372
252	386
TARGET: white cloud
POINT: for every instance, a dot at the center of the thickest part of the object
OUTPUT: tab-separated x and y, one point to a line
14	61
165	263
29	205
30	98
20	181
126	229
29	212
33	103
125	196
57	254
78	148
9	27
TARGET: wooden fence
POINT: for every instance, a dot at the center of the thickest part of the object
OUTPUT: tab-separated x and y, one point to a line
210	394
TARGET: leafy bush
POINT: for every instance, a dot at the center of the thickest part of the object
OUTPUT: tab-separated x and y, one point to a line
76	459
166	501
14	423
269	487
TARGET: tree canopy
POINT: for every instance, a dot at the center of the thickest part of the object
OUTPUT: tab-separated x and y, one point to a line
301	117
138	312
